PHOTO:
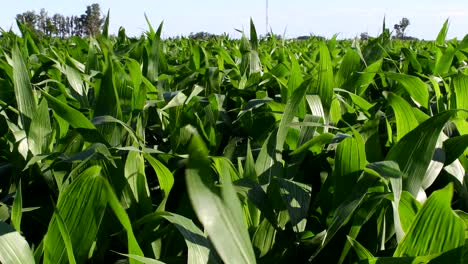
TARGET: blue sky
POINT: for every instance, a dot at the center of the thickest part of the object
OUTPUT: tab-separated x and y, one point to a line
295	17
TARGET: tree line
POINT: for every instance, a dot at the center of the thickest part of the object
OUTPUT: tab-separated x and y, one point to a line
58	25
399	30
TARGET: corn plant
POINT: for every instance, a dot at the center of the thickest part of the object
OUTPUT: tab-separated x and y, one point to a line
116	149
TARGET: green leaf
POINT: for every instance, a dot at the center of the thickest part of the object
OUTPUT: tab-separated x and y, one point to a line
367	77
345	210
105	27
350	160
40	130
119	211
440	40
361	102
407	209
349	66
413	85
387	169
198	245
136	177
13	247
317	141
454	148
460	87
258	200
297	197
436	228
82	205
165	177
140	259
266	165
405	119
363	214
444	62
218	210
16	211
411	56
75	80
325	77
74	117
361	251
415	150
264	238
295	77
100	120
23	90
65	236
288	115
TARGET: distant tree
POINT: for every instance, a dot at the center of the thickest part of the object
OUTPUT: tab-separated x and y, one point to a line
272	35
68	26
42	21
51	28
303	38
28	18
78	28
89	23
60	25
401	27
364	36
93	20
202	35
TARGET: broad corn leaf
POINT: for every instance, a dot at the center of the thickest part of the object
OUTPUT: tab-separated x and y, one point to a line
74	117
82	206
13	247
264	237
23	90
40	130
415	150
119	211
136	177
198	244
414	86
350	160
405	119
325	77
219	210
165	177
297	198
436	228
367	77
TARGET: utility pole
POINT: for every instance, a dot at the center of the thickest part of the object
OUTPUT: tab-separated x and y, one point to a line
266	13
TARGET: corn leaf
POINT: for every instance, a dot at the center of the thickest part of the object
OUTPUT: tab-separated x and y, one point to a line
199	247
165	177
297	197
82	206
414	86
17	210
436	228
13	247
263	239
350	160
325	84
23	90
218	210
405	119
415	150
454	148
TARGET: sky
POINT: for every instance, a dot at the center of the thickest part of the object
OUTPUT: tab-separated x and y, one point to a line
291	18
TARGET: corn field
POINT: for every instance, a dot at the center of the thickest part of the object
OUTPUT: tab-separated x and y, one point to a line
255	150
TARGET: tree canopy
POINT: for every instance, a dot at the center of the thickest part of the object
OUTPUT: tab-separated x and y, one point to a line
58	25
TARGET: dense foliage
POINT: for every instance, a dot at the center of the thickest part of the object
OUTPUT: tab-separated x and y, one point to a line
237	151
59	25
